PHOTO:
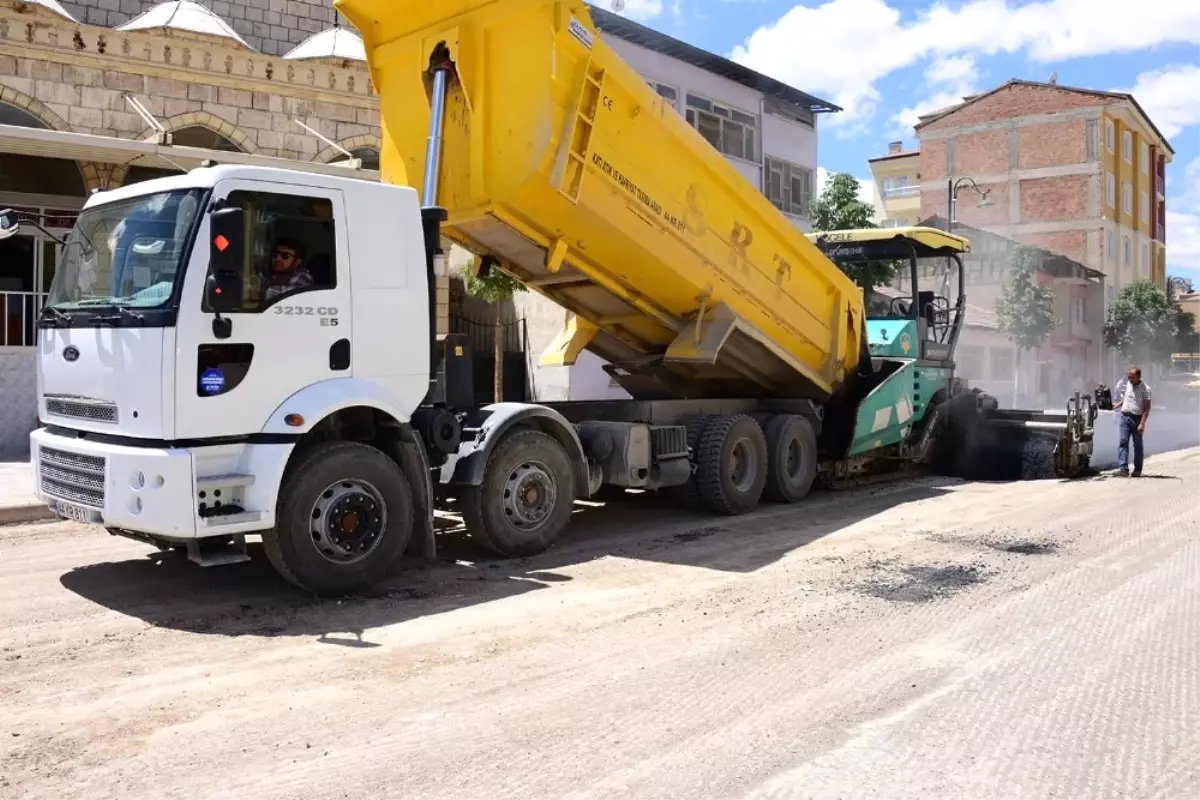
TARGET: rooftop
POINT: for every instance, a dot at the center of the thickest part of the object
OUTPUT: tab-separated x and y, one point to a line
642	36
1119	96
183	15
894	156
1054	264
54	7
337	42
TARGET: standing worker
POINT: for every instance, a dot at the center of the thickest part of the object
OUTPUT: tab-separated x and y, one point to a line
1132	404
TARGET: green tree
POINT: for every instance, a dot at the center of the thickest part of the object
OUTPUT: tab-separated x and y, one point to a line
1025	310
1143	323
839	209
495	287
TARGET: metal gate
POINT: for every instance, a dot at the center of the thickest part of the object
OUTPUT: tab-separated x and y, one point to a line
481	337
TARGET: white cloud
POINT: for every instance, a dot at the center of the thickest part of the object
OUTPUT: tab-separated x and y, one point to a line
957	74
1171	96
953	71
635	9
1183	222
842	47
1183	240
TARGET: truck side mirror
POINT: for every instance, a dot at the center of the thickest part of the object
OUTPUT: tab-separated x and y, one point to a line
227	240
9	224
223	291
223	288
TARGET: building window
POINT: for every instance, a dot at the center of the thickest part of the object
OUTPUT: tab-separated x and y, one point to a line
731	131
1003	365
1112	246
1145	257
1110	136
898	186
670	93
1078	311
1145	206
1127	146
1145	158
1093	140
1110	189
969	363
285	234
1127	196
1128	246
789	186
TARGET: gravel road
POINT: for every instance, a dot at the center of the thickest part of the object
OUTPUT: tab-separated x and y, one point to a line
927	639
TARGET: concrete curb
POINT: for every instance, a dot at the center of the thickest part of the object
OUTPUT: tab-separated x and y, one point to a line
32	512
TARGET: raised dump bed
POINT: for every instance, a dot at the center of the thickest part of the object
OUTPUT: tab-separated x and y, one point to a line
563	165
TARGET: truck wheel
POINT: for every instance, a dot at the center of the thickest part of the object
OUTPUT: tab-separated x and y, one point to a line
345	516
731	468
524	502
688	495
791	458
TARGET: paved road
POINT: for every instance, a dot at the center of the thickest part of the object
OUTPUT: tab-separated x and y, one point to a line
931	639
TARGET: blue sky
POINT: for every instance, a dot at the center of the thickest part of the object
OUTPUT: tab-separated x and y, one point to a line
885	61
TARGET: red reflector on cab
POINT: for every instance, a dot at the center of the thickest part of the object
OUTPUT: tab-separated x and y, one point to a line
294	420
221	242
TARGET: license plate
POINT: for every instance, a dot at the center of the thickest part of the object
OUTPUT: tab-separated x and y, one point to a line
74	513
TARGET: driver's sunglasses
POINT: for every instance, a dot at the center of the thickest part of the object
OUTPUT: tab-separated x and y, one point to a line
288	254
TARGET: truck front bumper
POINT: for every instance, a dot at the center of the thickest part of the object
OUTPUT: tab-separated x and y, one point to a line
141	489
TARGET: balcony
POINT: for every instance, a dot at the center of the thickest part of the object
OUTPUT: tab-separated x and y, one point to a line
901	192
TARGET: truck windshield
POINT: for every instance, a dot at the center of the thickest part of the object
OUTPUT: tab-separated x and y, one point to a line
126	254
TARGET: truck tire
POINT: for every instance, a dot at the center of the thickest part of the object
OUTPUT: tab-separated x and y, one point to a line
344	518
791	458
525	500
731	467
688	494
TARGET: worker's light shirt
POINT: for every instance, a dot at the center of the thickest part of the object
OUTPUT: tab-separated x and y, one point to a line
1134	399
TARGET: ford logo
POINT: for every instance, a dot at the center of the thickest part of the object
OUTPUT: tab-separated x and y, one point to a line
71	353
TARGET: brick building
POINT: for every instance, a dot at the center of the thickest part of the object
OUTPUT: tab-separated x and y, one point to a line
1077	172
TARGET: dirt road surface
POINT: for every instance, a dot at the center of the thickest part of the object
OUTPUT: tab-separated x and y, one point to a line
929	639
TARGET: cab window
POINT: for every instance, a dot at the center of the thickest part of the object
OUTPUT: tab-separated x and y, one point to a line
290	247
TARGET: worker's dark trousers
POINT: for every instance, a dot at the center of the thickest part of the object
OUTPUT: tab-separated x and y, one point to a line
1129	430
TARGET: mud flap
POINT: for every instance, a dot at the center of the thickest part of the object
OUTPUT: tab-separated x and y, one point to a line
410	455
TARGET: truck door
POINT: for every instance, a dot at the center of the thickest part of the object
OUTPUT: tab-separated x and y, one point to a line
292	326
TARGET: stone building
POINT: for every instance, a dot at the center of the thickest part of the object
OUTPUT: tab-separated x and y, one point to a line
101	93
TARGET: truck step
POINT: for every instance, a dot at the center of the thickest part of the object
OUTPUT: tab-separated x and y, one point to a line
211	482
218	554
225	520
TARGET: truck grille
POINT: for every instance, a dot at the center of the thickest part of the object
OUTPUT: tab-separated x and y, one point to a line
72	477
82	408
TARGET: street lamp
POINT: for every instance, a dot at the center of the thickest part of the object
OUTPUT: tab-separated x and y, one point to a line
953	187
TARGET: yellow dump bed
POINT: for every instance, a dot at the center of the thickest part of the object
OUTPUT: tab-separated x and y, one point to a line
562	163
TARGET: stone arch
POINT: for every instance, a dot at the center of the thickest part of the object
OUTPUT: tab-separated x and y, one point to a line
211	122
22	110
102	177
366	141
34	107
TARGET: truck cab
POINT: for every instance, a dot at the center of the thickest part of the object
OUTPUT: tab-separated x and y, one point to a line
202	325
